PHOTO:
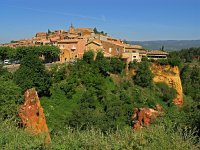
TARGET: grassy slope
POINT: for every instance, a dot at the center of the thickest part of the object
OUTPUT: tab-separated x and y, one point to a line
153	137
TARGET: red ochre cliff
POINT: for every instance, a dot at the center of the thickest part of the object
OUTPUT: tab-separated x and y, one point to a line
162	73
32	116
171	76
143	116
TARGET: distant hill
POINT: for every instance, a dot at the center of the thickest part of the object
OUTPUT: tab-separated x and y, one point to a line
169	45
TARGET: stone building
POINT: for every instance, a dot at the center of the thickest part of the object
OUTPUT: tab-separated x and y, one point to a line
71	49
157	54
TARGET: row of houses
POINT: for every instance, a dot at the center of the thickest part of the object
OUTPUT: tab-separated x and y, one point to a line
74	42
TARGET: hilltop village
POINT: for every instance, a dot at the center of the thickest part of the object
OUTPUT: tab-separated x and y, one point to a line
74	42
97	102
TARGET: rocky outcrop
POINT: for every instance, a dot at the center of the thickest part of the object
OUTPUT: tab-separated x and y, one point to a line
143	116
32	116
171	76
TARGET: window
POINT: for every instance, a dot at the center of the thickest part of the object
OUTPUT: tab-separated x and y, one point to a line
118	50
61	46
110	50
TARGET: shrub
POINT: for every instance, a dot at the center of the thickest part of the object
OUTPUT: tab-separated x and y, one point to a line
10	98
144	75
163	61
13	138
31	73
116	65
88	57
7	52
133	65
102	63
168	93
4	73
175	61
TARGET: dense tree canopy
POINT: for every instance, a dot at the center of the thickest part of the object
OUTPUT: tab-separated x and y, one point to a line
102	63
10	98
7	53
190	77
116	65
10	95
188	55
95	94
85	96
32	74
88	57
50	53
144	75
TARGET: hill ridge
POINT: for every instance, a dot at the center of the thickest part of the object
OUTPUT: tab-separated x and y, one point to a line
169	45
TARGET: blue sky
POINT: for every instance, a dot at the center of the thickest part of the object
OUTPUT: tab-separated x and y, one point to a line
124	19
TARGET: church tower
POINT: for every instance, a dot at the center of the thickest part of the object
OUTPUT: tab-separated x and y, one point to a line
71	29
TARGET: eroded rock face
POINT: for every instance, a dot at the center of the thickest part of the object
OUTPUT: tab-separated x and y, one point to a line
171	76
32	116
143	116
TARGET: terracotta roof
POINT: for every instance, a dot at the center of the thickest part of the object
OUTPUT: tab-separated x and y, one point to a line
133	46
110	38
68	41
157	52
54	39
95	41
119	43
83	37
84	29
72	35
41	34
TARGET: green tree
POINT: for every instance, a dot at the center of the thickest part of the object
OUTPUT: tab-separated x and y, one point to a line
125	42
24	51
190	77
102	63
88	57
145	58
4	73
195	82
133	65
186	80
162	48
168	93
58	72
32	74
10	97
187	55
3	53
95	30
99	32
50	53
6	52
144	75
175	61
49	31
116	65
